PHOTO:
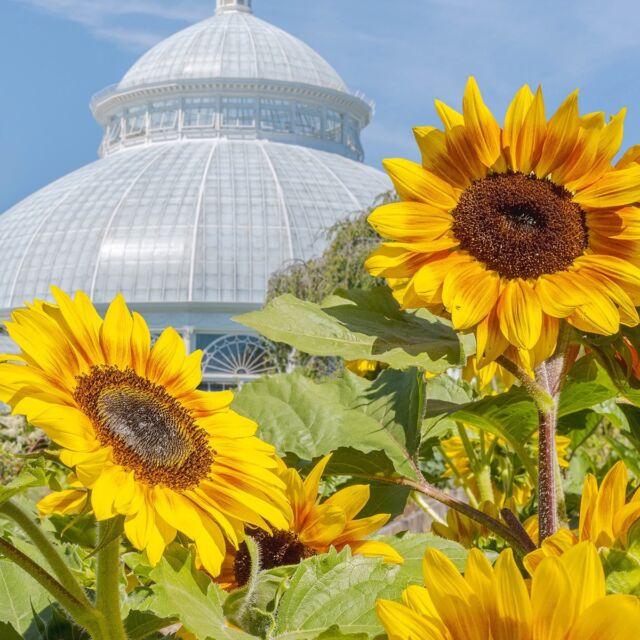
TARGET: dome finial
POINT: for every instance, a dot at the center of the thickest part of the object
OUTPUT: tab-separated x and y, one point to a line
233	5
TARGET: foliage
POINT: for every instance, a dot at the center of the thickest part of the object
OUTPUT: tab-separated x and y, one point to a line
340	266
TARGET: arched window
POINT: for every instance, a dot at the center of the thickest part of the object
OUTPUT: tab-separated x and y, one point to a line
239	357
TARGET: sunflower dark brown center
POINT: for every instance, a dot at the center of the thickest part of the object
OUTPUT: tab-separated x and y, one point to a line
150	431
277	550
520	226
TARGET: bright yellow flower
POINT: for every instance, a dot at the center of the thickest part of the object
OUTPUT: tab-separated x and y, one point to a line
365	368
508	230
315	526
567	601
605	516
132	424
332	523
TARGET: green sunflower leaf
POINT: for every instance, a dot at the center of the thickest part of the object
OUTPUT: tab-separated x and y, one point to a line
366	325
347	415
20	597
334	595
180	593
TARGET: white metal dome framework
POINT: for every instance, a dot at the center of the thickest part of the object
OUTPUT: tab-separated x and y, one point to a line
228	149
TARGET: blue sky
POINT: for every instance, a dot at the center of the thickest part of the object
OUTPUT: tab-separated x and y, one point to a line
402	53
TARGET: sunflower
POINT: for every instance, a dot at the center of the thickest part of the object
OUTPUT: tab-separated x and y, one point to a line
606	516
566	601
510	230
139	435
315	526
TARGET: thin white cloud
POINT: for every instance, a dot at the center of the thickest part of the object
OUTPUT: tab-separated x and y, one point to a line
111	19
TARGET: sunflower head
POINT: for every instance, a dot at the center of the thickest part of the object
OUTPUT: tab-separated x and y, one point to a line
316	526
509	230
143	441
565	601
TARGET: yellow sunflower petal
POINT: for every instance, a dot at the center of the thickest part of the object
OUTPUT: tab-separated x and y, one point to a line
412	182
630	156
322	526
312	481
63	502
449	116
350	499
513	122
460	609
617	188
585	572
390	261
490	341
513	607
418	600
429	279
411	222
167	357
552	604
531	136
140	344
469	293
520	314
479	121
615	617
115	334
374	548
435	156
562	135
401	623
362	527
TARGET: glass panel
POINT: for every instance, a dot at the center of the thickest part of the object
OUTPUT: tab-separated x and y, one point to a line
238	112
352	137
333	130
164	115
199	112
135	122
309	121
275	115
114	129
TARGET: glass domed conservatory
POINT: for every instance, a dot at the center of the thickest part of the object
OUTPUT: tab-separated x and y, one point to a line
228	149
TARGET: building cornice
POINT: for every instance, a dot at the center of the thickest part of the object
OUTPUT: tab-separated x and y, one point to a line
112	99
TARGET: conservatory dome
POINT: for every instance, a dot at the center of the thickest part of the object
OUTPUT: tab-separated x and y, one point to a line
233	44
228	150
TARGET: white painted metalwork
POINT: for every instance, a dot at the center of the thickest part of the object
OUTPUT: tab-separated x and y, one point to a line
237	355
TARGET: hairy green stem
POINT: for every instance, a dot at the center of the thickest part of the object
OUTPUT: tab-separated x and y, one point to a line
46	547
108	576
427	489
551	375
541	396
84	615
427	508
485	487
255	558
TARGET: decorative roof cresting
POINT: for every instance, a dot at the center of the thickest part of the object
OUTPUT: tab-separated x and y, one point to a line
233	5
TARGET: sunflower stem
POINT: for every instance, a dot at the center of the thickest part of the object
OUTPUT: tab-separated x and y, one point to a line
427	489
46	547
108	577
255	558
540	394
483	479
551	375
83	614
